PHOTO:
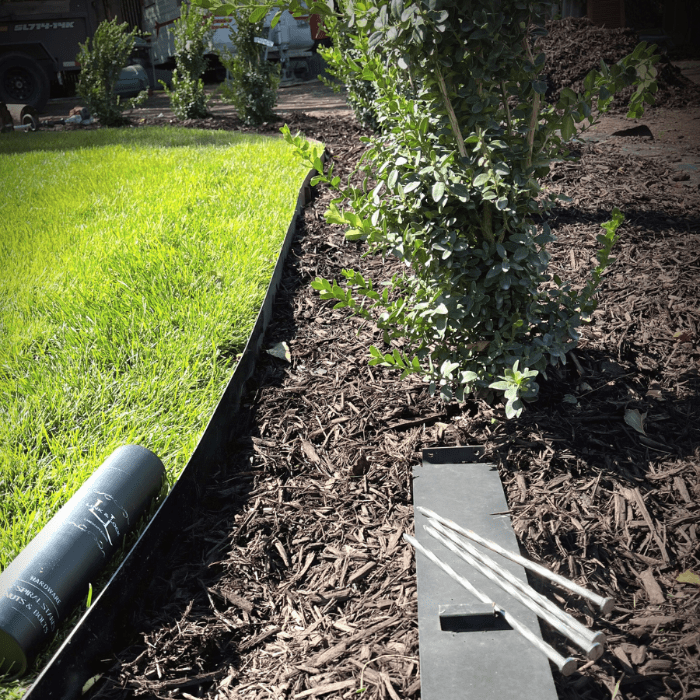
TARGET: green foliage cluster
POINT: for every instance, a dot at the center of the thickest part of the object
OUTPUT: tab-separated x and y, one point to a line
102	59
451	188
341	62
252	82
192	33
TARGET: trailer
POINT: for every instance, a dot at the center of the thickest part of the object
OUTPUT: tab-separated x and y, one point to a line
38	44
39	41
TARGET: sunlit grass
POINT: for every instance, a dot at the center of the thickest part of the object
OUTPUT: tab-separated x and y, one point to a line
132	266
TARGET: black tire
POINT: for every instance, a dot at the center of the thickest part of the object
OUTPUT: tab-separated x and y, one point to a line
22	81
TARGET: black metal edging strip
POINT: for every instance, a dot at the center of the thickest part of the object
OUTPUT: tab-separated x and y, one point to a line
107	622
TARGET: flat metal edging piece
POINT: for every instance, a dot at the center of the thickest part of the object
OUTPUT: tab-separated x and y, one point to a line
109	622
465	655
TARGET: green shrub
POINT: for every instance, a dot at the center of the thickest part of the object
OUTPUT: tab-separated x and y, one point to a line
341	62
452	190
101	60
192	34
252	82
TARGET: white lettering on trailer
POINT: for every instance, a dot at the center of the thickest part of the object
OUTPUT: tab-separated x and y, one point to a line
34	26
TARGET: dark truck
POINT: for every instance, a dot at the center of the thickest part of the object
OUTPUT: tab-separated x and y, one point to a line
39	42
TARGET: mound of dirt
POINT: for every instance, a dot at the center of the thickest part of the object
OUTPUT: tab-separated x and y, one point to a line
575	46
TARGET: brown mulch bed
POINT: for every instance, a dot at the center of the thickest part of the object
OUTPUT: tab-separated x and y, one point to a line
296	583
573	47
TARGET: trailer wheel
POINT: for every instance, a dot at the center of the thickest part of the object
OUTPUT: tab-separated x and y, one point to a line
22	81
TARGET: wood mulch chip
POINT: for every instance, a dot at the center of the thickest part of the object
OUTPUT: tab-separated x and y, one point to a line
296	583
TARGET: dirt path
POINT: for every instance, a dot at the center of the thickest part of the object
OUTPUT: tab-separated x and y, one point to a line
312	97
671	137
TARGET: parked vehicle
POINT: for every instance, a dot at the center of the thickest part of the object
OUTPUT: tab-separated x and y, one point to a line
39	41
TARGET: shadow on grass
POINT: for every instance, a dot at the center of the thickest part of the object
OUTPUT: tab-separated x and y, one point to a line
144	137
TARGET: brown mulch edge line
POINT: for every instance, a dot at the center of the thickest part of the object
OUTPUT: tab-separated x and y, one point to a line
296	583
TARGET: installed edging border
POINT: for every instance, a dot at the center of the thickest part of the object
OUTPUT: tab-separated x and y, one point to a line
108	620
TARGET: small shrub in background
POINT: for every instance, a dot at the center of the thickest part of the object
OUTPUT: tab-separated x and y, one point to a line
252	82
343	59
101	60
192	33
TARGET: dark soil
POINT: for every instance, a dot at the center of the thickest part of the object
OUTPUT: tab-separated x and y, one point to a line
296	583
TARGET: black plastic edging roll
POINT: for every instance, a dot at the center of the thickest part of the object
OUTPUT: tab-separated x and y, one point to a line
39	589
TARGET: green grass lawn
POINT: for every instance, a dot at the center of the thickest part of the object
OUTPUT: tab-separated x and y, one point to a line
132	266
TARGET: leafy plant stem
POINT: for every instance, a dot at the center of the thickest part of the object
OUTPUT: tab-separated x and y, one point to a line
507	108
451	113
535	114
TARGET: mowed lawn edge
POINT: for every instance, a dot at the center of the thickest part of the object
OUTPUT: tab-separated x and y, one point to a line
134	264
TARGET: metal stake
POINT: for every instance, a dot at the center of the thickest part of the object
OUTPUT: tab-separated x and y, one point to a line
604	604
566	666
593	650
593	636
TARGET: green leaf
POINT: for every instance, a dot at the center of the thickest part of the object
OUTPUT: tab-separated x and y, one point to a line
481	180
514	408
568	128
688	577
438	191
375	39
499	386
321	284
494	272
635	419
569	94
354	234
448	367
258	13
396	8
